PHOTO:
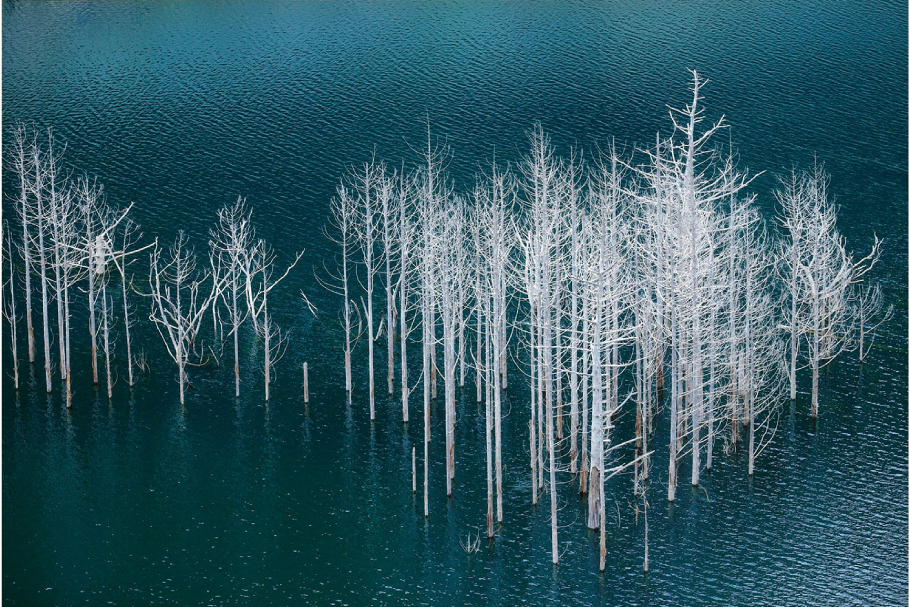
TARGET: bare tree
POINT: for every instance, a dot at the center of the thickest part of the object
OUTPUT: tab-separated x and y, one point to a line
432	198
259	284
760	368
495	203
72	264
870	313
180	300
342	233
450	233
9	303
22	159
231	243
100	254
387	201
91	203
128	237
369	186
40	212
406	237
427	217
540	245
824	272
59	207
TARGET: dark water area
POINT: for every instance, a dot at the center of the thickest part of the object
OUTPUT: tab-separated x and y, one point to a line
182	107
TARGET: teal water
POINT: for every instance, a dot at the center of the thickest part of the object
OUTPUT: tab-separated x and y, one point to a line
181	107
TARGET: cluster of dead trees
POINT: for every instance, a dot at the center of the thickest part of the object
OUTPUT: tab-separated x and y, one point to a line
70	240
645	281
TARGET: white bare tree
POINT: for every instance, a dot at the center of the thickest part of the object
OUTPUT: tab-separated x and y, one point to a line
389	196
232	243
22	159
428	219
542	248
341	231
71	264
369	186
259	283
9	302
59	213
870	313
824	271
129	234
406	275
38	187
91	202
100	255
180	298
494	202
67	259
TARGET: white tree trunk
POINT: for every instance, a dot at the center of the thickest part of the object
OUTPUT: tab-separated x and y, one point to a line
42	264
107	343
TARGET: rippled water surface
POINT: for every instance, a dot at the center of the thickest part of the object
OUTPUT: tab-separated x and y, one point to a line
181	107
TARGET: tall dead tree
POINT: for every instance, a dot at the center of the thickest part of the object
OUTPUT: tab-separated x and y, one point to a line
22	160
232	243
40	212
180	298
406	238
91	203
341	232
9	302
128	236
824	271
259	283
369	187
387	201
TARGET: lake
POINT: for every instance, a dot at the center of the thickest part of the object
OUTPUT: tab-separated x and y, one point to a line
182	107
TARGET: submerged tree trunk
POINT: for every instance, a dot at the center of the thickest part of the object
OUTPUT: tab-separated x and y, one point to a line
107	343
69	370
427	363
10	312
487	436
42	265
403	243
674	415
533	425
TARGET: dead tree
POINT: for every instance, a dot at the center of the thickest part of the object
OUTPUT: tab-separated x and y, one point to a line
128	236
59	212
824	272
180	300
91	203
870	313
22	159
451	272
40	212
9	303
369	186
406	241
231	243
341	232
494	201
387	200
259	283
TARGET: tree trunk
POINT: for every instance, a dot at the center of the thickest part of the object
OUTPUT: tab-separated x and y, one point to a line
42	264
534	395
487	437
107	343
